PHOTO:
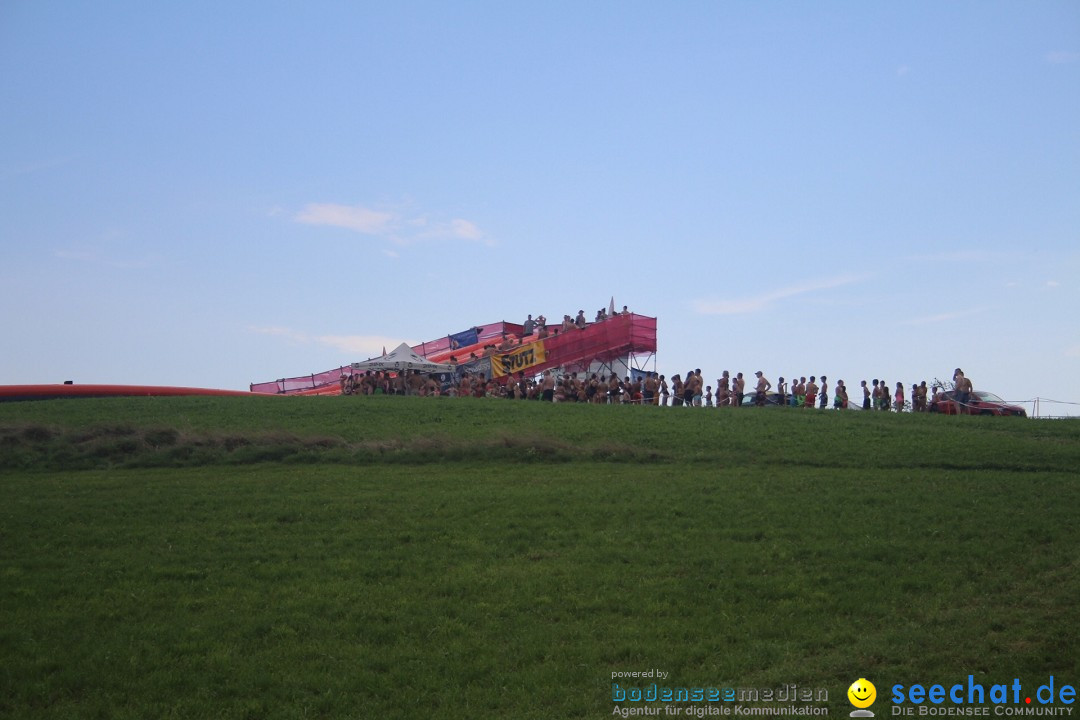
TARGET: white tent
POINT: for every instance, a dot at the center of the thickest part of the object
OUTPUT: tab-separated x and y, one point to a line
401	358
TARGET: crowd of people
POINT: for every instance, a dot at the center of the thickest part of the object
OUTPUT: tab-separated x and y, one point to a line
804	393
646	388
653	389
537	327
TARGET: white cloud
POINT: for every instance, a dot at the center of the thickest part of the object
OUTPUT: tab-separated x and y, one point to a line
69	254
397	227
350	217
1061	57
757	303
943	317
356	345
466	230
8	172
1052	283
278	331
89	255
902	70
960	257
456	229
1073	351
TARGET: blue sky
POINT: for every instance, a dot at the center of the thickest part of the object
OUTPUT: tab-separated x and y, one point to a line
213	194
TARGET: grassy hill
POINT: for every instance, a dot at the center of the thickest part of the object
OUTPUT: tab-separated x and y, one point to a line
458	558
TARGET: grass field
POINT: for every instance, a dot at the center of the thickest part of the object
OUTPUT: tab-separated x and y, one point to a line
412	558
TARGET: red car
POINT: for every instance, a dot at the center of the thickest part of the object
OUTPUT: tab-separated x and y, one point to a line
980	403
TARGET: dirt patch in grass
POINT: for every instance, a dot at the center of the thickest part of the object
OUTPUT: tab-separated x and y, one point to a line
111	446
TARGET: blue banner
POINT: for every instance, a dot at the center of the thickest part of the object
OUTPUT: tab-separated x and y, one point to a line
464	338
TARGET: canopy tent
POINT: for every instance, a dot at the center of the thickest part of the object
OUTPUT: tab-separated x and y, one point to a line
400	358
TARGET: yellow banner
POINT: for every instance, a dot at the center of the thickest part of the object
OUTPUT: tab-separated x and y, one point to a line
522	358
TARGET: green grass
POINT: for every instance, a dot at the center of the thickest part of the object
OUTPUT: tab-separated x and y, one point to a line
410	558
176	432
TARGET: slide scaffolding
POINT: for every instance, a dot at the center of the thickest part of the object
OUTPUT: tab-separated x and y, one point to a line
620	340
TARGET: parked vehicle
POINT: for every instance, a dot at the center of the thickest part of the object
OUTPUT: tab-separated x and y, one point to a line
771	399
980	403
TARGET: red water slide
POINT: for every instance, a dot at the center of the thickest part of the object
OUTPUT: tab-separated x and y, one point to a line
48	392
617	337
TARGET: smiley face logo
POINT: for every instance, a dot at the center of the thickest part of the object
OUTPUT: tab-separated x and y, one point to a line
862	693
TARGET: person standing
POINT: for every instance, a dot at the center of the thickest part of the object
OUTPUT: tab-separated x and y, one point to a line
740	389
614	390
696	383
824	392
898	397
866	395
547	387
762	389
841	400
961	390
799	392
651	385
811	392
689	388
